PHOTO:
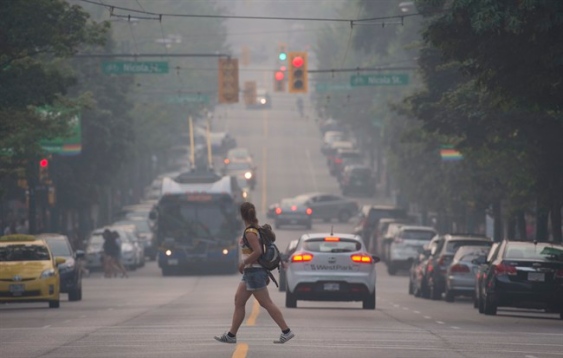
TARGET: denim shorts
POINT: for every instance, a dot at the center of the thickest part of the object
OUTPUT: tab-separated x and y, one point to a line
255	278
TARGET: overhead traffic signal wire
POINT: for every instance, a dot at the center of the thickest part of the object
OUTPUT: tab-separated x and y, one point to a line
157	16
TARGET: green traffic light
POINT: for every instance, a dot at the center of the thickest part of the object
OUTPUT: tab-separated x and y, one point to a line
282	56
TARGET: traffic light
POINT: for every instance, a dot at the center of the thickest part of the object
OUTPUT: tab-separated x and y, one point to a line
279	80
282	52
297	73
250	93
43	170
228	80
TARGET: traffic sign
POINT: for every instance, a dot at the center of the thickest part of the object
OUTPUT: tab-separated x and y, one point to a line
134	67
329	87
399	79
228	80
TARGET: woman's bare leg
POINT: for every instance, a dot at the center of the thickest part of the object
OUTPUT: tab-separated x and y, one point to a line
263	298
241	297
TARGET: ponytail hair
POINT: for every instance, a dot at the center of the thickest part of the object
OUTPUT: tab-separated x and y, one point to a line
248	213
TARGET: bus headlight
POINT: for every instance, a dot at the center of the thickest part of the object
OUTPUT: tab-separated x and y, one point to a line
248	175
168	252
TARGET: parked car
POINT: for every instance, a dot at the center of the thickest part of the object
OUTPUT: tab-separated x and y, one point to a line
460	274
406	244
524	275
329	206
380	232
334	147
483	263
368	219
358	179
132	248
28	271
416	271
289	250
331	137
70	272
442	255
130	253
387	239
331	267
293	211
145	235
343	157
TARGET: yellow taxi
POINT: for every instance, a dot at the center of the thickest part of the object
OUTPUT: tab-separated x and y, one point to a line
28	270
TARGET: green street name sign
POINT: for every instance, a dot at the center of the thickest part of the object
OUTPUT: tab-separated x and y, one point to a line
134	67
329	87
399	79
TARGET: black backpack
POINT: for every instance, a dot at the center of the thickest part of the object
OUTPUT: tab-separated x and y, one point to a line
271	257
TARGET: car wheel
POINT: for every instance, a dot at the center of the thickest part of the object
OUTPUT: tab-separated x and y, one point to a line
54	304
369	303
480	305
449	296
391	269
561	315
434	293
411	288
424	291
290	300
75	295
490	307
475	302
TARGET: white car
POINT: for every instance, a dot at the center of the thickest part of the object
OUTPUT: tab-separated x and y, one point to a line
406	246
331	267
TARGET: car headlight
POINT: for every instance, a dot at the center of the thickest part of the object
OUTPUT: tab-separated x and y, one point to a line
248	175
48	273
263	100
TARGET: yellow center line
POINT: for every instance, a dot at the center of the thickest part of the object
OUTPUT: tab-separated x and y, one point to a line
251	321
240	350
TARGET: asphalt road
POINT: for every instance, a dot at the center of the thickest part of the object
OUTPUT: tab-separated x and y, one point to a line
148	315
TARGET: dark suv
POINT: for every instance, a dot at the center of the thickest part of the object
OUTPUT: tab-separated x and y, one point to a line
369	217
441	256
358	179
71	271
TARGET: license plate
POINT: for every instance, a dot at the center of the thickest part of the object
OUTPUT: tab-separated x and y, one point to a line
293	221
331	286
172	262
536	276
17	289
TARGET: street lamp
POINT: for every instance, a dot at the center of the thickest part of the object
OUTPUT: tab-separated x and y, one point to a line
406	6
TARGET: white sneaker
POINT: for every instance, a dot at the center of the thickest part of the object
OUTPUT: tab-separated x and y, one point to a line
225	338
284	337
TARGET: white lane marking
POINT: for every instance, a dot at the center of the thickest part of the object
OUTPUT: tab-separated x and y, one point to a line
454	327
47	326
68	320
440	322
417	312
427	317
83	316
396	306
530	356
311	171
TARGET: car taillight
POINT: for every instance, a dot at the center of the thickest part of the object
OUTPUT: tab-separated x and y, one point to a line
293	207
278	211
303	257
504	269
362	258
459	268
226	161
309	211
337	161
559	273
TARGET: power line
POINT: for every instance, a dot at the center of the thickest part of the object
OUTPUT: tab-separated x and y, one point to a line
157	16
135	55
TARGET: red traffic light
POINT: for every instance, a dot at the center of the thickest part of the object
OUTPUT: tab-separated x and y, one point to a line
278	75
297	61
44	163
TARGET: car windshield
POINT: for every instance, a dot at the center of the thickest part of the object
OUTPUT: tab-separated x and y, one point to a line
342	245
469	253
529	251
141	225
452	246
418	235
19	252
59	247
